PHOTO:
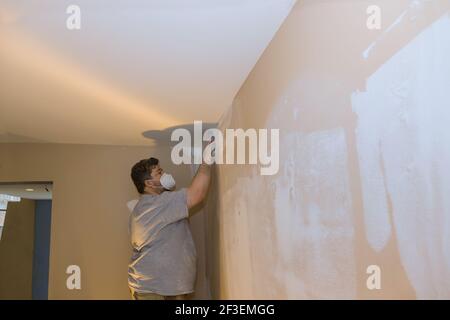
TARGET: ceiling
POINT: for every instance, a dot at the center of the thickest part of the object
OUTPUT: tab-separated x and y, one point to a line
40	191
134	66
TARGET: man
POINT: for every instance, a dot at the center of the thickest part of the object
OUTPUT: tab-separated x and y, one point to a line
163	264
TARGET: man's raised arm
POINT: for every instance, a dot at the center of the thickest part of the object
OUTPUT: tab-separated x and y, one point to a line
199	185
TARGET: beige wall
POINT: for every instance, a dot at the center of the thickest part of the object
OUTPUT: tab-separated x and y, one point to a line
91	185
363	118
16	251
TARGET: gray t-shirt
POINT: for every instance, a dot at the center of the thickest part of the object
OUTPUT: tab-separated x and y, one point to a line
164	255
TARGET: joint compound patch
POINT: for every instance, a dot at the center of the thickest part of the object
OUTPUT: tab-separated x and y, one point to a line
403	141
314	217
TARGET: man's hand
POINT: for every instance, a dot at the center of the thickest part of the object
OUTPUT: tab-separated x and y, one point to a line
209	152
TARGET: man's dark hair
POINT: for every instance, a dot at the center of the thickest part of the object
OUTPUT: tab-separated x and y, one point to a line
141	171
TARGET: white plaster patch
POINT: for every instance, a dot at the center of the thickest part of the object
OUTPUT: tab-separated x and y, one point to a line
369	140
236	210
310	204
295	113
403	144
313	216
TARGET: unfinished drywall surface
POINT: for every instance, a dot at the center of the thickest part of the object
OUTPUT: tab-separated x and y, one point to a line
16	251
313	216
403	140
91	187
362	177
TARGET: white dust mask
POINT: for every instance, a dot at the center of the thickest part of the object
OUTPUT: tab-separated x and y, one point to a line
167	181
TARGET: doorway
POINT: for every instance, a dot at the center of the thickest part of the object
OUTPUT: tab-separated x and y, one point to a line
25	228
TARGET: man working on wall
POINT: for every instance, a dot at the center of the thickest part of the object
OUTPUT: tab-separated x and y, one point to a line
163	264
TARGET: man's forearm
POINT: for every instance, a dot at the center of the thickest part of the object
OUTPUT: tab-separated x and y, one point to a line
204	169
199	186
202	179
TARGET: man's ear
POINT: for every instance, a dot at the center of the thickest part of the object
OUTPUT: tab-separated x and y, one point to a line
148	183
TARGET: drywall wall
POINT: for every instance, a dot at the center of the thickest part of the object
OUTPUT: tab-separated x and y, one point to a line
16	251
363	154
89	225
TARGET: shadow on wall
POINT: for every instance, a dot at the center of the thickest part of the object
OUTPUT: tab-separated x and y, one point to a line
212	236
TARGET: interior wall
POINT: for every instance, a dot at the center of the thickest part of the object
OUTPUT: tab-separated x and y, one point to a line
89	227
16	251
363	117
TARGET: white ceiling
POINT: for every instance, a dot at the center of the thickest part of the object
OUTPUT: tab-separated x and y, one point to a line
134	66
